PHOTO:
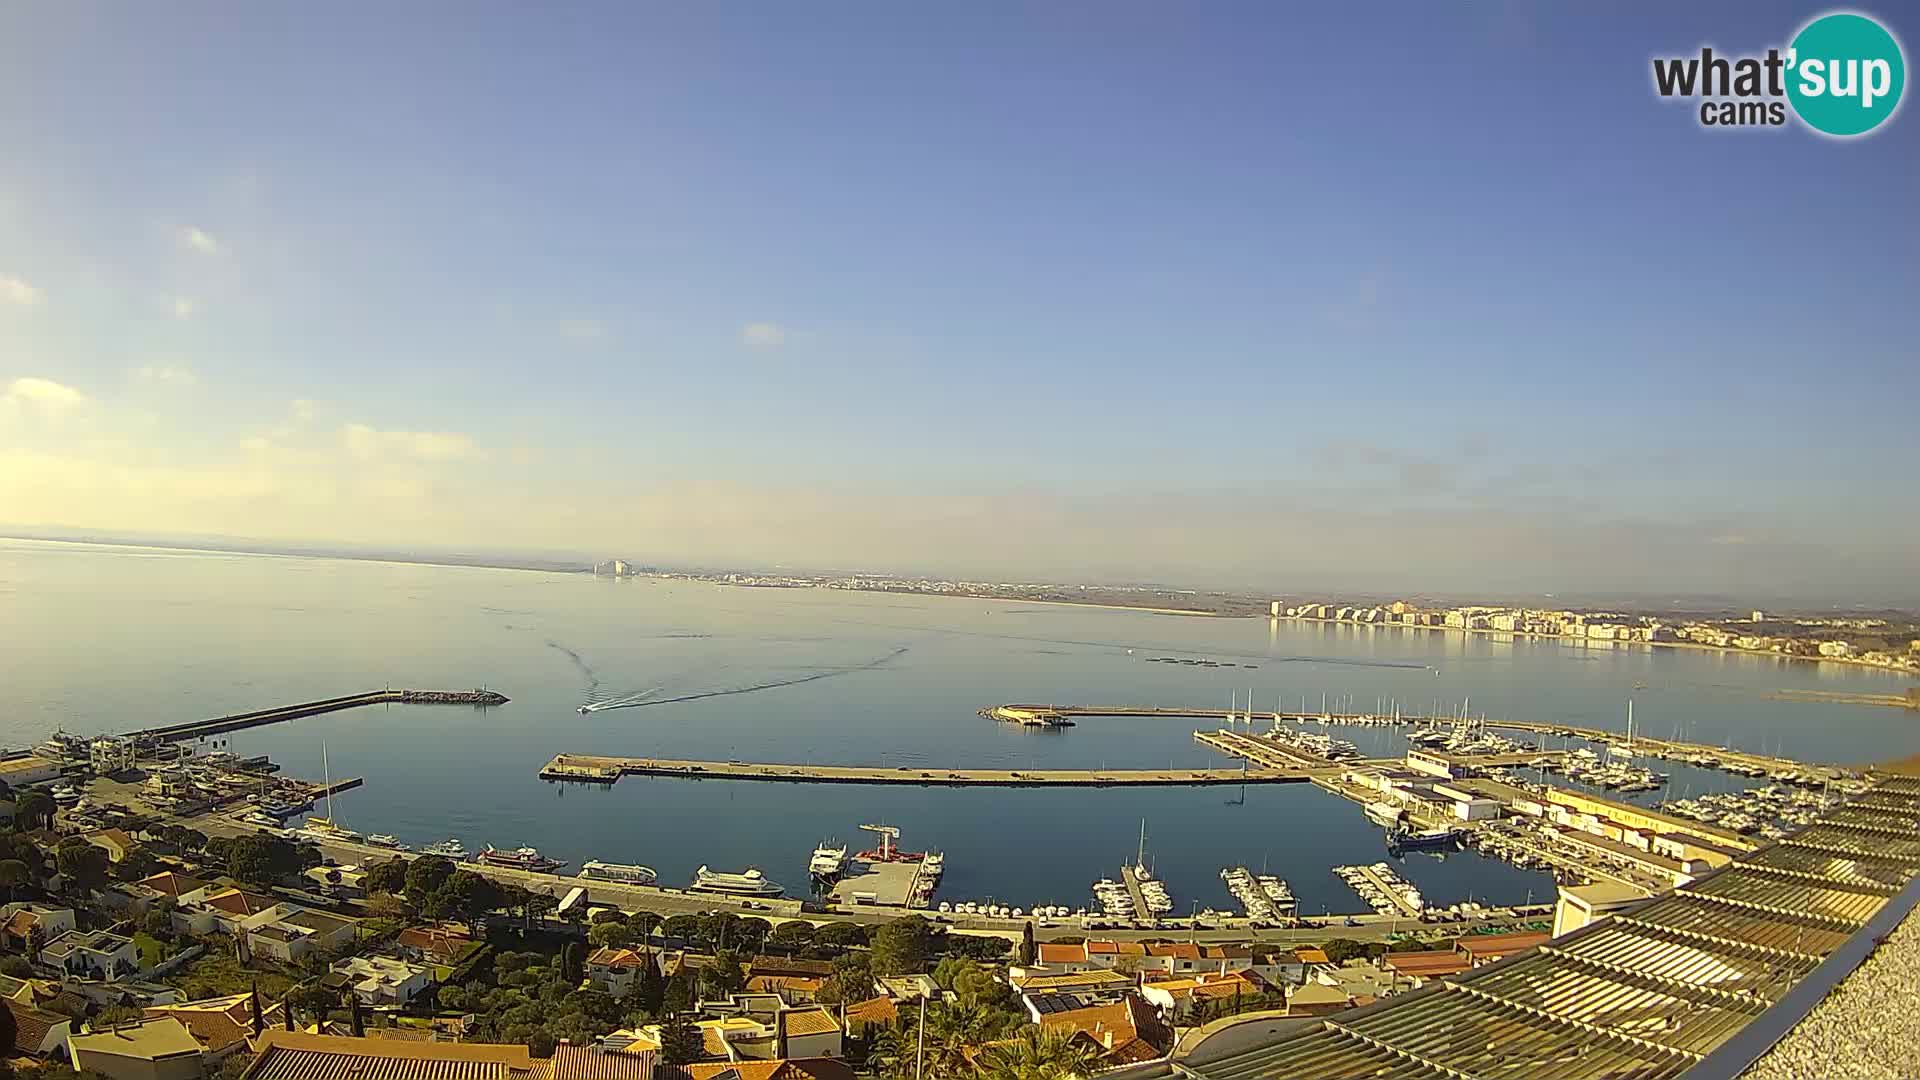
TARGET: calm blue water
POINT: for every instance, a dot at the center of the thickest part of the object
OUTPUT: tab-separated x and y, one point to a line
100	638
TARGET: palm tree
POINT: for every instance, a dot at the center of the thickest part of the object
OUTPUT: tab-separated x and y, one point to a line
1037	1053
955	1030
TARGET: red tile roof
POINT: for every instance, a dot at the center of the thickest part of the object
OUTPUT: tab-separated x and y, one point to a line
236	902
30	1026
792	1069
1057	953
592	1063
171	883
1495	946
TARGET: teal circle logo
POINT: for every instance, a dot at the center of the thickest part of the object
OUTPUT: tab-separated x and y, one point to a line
1845	74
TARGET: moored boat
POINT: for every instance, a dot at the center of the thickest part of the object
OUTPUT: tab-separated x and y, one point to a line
524	858
750	882
621	873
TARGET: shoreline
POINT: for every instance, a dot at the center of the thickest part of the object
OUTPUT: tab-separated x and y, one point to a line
1697	646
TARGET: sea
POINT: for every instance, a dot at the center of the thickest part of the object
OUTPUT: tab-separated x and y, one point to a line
97	638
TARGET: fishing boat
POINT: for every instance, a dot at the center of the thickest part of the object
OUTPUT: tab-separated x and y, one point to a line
749	882
1424	839
621	873
446	849
524	858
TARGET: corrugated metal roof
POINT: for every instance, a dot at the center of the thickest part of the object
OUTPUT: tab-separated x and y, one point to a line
1642	995
1324	1053
1851	869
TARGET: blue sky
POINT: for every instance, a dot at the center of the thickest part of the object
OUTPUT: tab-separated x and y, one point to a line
1417	295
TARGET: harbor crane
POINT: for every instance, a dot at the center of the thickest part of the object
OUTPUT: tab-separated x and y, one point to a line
888	834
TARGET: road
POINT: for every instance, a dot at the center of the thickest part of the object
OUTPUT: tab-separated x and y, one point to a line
669	902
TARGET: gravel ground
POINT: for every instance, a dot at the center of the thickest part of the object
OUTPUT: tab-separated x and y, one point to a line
1868	1028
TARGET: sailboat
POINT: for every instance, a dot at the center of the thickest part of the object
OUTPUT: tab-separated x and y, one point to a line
327	828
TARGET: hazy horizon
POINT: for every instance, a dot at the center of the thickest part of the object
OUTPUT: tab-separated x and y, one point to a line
1089	292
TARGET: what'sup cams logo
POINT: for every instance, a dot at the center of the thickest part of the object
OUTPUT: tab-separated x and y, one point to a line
1842	76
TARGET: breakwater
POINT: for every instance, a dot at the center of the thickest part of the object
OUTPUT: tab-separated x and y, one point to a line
196	729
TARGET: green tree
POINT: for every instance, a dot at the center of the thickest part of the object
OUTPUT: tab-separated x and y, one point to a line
841	935
683	927
33	810
973	985
1341	950
953	1033
1037	1053
851	981
464	895
1027	948
613	934
387	877
424	877
81	863
904	946
680	1041
650	987
136	864
13	874
678	994
792	935
722	976
262	860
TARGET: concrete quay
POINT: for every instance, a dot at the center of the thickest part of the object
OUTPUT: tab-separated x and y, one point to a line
1643	744
586	768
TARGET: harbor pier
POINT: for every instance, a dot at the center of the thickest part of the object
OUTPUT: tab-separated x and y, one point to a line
587	768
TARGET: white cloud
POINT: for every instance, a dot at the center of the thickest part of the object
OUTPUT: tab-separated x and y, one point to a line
302	409
199	240
173	374
183	307
763	335
583	330
369	444
19	291
44	396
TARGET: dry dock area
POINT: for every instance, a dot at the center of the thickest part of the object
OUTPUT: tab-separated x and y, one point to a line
589	768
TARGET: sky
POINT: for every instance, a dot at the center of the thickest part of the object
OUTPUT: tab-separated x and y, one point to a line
1405	296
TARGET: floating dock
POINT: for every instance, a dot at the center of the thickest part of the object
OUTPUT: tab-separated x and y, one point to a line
592	769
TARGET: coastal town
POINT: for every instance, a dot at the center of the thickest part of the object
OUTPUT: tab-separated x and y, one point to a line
166	920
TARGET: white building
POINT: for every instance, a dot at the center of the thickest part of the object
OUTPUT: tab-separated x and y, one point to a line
380	980
95	954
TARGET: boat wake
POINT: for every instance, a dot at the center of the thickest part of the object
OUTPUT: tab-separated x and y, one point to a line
644	698
593	680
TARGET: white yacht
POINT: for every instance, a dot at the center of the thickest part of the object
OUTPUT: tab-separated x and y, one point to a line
620	873
828	861
750	882
447	849
381	839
